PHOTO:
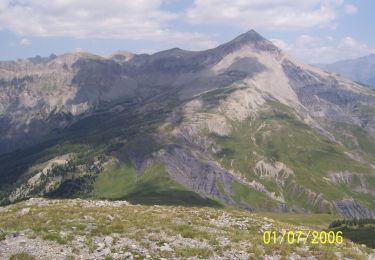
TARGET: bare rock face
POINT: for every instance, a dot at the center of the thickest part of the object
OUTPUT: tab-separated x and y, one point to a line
202	177
277	170
38	97
357	181
329	97
350	209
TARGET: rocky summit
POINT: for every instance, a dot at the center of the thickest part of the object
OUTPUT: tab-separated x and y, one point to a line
243	125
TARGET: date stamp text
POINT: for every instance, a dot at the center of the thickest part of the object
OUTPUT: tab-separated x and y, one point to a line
302	237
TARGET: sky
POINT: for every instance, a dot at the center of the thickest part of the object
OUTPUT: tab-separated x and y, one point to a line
316	31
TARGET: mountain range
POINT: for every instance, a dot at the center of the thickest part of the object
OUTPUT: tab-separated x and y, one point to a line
361	70
243	124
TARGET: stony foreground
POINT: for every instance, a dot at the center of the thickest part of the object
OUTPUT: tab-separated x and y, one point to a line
82	229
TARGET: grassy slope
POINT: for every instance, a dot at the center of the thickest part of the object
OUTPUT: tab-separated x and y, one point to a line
357	139
277	134
114	182
253	198
152	226
151	186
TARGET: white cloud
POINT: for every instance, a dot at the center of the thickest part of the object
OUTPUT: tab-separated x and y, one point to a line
281	44
274	14
308	41
350	9
25	41
324	50
111	19
146	20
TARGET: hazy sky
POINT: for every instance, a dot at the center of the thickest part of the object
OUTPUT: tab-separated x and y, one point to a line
316	31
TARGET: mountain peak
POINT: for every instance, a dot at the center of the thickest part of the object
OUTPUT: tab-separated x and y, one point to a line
252	38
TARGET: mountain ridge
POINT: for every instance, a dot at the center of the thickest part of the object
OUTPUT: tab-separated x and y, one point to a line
361	69
243	124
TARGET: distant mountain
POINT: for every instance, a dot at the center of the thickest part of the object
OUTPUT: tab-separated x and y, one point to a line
361	70
243	124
